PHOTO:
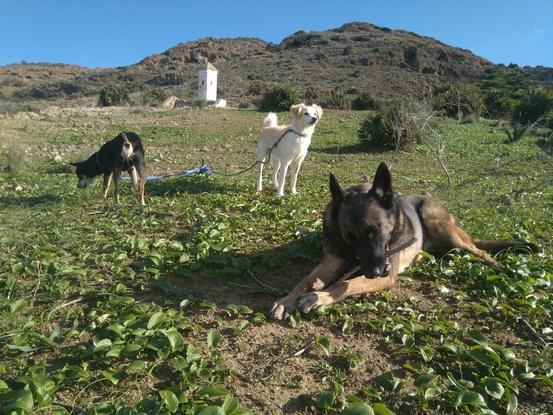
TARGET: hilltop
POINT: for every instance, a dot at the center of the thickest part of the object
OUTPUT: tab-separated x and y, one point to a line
352	58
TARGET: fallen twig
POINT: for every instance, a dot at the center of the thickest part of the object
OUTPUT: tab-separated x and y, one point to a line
67	304
262	283
532	331
305	348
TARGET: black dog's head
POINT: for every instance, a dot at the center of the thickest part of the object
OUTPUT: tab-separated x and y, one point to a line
366	218
84	179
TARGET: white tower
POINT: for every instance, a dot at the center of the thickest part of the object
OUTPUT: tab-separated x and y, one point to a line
207	83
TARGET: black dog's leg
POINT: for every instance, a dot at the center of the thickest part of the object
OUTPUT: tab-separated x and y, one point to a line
107	182
143	177
116	175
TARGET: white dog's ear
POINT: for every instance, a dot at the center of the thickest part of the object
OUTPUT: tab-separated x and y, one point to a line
319	111
296	110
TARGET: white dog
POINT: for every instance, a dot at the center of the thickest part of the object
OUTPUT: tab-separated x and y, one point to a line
286	146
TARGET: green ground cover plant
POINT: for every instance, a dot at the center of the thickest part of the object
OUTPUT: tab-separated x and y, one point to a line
118	309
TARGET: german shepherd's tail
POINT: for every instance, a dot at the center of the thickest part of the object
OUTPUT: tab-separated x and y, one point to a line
496	247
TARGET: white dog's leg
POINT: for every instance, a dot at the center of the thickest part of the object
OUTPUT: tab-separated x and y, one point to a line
276	168
281	177
260	178
294	171
261	159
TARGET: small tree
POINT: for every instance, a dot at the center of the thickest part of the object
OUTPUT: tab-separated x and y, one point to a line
458	100
336	100
364	101
152	96
502	89
113	94
279	98
530	112
398	125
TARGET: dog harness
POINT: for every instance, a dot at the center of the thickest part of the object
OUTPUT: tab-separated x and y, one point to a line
289	130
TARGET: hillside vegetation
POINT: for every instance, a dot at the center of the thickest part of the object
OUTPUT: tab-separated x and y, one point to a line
352	59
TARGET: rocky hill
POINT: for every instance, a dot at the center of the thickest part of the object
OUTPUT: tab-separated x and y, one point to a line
353	58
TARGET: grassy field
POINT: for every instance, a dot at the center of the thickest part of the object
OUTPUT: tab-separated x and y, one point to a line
108	309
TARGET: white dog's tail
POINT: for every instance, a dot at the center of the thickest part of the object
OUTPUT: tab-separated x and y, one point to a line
270	120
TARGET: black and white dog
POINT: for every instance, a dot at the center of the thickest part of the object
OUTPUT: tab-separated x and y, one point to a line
123	153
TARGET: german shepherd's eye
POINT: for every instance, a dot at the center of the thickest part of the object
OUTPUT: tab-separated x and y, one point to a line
306	113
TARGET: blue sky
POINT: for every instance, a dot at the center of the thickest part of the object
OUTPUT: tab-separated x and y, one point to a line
102	33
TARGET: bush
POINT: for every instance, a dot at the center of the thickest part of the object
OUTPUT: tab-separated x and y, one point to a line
15	159
365	101
458	100
279	98
256	88
113	94
533	108
502	88
50	91
397	125
497	104
152	96
312	94
337	101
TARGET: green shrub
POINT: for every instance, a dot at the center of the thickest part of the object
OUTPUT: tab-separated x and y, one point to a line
502	89
279	98
337	101
52	90
532	111
312	94
497	104
364	101
152	96
15	159
458	100
533	108
257	88
113	94
255	77
398	125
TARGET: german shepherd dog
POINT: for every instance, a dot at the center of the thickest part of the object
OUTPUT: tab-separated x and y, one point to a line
122	153
373	230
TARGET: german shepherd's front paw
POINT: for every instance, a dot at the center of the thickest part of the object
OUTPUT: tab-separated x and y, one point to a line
282	308
313	300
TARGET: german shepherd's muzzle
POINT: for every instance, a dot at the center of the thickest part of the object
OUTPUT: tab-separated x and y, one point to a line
372	229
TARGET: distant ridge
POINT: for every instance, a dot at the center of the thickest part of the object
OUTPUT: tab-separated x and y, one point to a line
352	58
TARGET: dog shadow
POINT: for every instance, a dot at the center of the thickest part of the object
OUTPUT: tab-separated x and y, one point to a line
28	201
187	184
256	279
356	148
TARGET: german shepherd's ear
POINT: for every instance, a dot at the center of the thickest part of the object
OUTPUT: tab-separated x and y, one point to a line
296	110
336	191
382	185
